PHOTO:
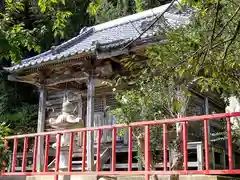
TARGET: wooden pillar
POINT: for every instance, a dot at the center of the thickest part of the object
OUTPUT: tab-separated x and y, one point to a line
40	126
90	123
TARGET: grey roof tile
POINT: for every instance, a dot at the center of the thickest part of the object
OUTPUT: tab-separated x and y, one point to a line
108	35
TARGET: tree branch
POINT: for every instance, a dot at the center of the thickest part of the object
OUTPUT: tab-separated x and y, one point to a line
215	23
231	41
227	23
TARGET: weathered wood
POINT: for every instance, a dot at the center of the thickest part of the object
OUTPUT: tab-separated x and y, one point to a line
200	156
72	60
40	127
63	78
53	94
89	123
212	150
21	79
107	55
60	100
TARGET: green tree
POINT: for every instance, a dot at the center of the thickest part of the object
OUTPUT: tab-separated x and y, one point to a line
152	98
34	26
105	10
4	153
18	109
203	52
206	51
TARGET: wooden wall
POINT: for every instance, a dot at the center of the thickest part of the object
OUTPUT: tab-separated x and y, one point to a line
101	112
107	99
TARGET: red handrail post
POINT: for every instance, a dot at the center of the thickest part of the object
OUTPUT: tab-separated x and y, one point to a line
25	150
71	144
58	149
229	136
35	153
84	138
147	152
130	146
206	141
165	148
114	143
47	139
98	166
14	156
185	146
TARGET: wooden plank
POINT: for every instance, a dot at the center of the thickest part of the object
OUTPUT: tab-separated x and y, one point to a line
60	100
77	76
21	79
200	156
89	123
40	126
111	54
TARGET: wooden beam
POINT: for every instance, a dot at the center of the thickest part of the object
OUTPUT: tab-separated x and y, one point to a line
90	123
63	78
40	127
22	79
107	55
115	59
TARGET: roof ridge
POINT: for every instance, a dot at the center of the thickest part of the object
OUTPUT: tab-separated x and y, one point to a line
131	18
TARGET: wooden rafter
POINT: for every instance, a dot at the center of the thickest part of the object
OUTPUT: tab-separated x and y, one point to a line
64	78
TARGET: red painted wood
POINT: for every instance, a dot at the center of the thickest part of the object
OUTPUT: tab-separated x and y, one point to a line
45	166
25	150
35	153
147	152
84	137
71	144
98	166
114	139
58	146
206	140
185	146
135	124
147	172
229	137
14	156
130	146
165	147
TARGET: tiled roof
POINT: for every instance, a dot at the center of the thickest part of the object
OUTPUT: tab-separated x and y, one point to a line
109	35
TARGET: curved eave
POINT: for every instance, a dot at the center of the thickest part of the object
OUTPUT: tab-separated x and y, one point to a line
46	62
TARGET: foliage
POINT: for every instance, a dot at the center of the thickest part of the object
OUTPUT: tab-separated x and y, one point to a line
105	10
152	98
31	26
17	106
4	153
204	52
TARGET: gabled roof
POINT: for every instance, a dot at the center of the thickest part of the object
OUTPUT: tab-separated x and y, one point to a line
110	35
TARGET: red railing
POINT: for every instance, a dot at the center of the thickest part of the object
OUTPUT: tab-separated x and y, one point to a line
146	172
